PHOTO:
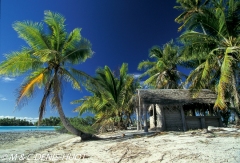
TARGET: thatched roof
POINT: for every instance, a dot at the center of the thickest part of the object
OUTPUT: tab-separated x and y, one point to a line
175	96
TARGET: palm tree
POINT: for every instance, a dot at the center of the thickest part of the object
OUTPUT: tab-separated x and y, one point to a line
220	47
111	96
192	9
47	62
163	71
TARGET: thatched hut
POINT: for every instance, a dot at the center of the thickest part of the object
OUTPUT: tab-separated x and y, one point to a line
176	109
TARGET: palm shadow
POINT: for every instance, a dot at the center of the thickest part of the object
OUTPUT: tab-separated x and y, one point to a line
119	137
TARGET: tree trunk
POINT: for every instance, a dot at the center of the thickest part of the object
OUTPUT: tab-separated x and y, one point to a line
236	117
69	127
130	122
121	125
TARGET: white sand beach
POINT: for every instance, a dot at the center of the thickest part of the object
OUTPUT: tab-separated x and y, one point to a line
127	146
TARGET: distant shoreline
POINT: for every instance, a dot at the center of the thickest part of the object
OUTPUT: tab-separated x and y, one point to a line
26	128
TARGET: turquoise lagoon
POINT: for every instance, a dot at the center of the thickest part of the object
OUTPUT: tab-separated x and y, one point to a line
26	128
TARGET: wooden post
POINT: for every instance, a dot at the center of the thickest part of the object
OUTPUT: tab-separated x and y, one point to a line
155	115
220	119
203	122
139	111
137	117
183	119
210	110
145	118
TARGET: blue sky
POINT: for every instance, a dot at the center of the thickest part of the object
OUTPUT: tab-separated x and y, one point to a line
119	30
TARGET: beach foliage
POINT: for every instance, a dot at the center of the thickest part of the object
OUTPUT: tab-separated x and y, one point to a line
111	99
162	68
47	62
212	39
84	124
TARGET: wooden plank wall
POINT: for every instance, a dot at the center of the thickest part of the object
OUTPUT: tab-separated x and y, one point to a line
193	123
173	118
200	122
212	121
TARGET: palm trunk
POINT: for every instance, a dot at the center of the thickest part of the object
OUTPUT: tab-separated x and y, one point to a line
67	124
64	120
120	123
236	117
69	127
129	119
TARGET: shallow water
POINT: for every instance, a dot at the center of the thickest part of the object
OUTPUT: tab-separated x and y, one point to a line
26	128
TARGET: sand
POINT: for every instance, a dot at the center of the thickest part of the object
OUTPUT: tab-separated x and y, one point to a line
12	143
132	146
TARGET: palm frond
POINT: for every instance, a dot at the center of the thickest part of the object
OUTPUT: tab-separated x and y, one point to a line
27	88
82	77
18	63
155	52
73	39
151	80
145	65
45	55
224	82
70	78
56	21
79	52
32	33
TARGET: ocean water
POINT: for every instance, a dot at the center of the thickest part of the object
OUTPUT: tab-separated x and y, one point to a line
26	128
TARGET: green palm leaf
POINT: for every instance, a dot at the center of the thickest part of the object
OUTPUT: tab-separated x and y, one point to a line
56	23
32	33
18	63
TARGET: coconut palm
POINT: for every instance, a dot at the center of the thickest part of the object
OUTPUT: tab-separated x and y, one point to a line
163	71
111	96
47	62
220	47
192	9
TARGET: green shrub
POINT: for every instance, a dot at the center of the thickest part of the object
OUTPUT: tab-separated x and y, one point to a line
83	124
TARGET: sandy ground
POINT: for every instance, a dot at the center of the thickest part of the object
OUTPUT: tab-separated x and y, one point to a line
24	143
192	146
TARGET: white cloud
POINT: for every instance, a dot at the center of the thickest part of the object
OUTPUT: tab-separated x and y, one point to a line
30	119
7	79
3	99
136	76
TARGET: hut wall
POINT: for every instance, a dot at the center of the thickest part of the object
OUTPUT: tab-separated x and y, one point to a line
212	121
160	118
169	118
193	122
173	118
200	122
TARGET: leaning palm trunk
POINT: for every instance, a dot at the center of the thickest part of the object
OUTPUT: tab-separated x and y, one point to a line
69	126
